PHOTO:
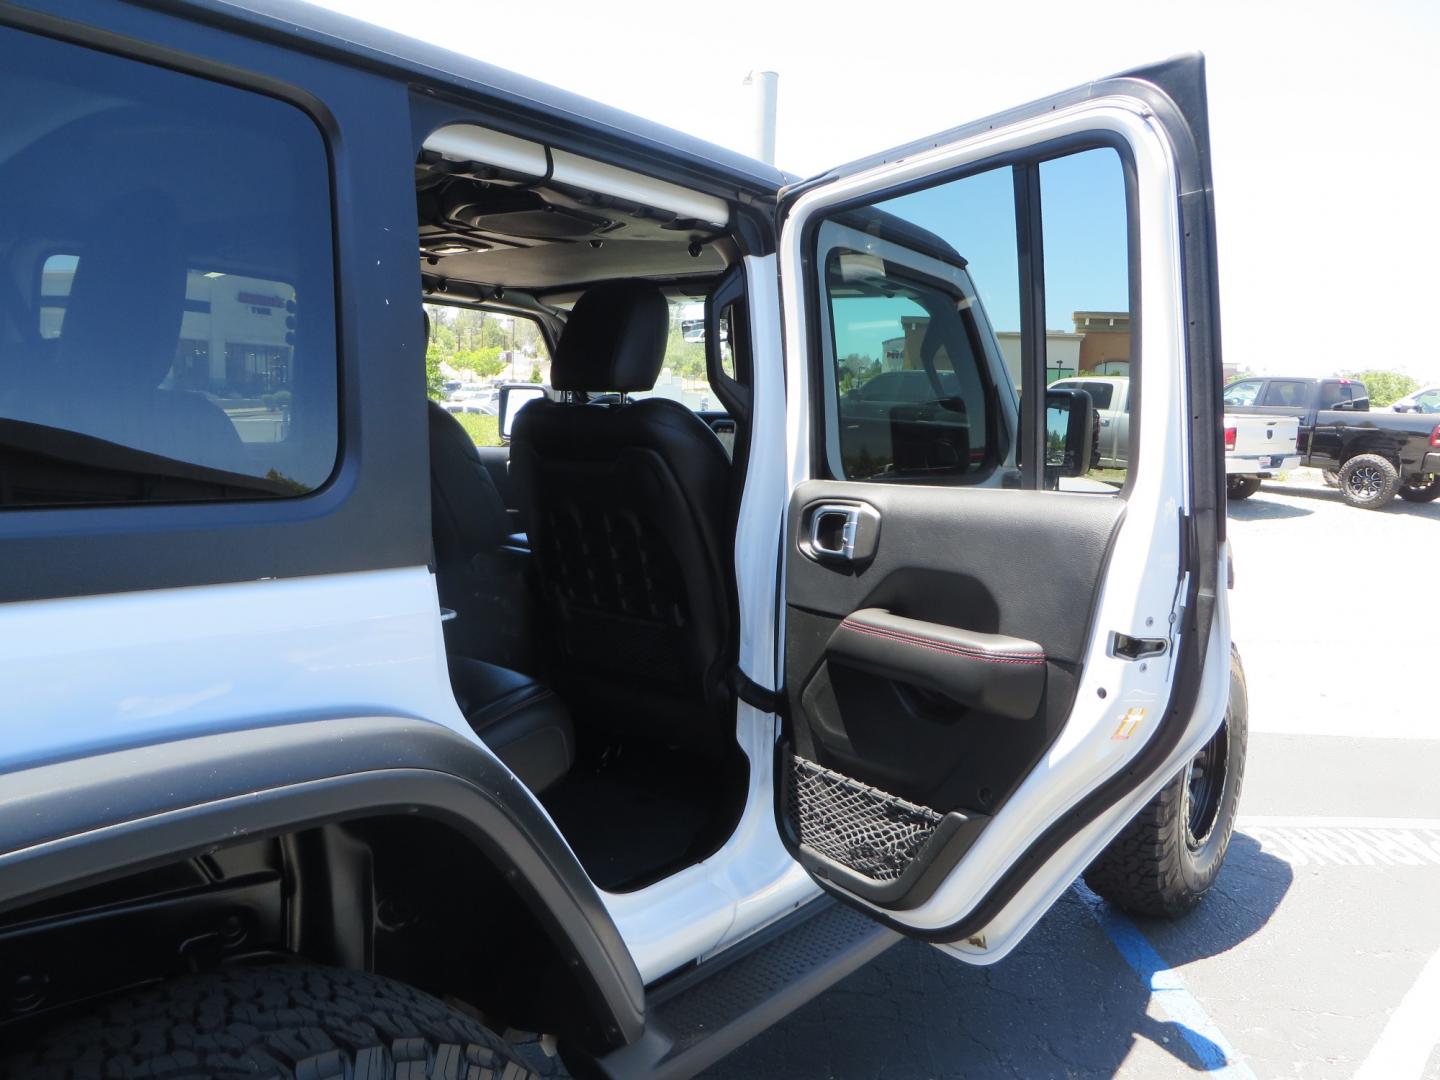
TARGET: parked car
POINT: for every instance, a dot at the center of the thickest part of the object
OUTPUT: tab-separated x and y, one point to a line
1256	448
1372	455
1425	400
485	401
341	753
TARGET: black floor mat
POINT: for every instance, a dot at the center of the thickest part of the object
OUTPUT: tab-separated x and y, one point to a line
645	814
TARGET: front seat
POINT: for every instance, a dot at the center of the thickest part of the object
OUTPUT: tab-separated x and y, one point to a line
479	572
626	505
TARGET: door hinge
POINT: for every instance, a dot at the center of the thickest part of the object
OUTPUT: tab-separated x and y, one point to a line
1132	648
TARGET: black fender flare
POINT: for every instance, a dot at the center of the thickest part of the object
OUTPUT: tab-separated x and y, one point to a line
82	821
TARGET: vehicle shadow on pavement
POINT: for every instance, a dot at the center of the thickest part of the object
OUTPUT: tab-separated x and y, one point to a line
1328	494
1257	509
1064	1004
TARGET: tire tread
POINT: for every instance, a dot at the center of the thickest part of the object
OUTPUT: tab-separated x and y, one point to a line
291	1020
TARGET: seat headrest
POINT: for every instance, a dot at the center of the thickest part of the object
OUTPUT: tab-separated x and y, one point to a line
613	340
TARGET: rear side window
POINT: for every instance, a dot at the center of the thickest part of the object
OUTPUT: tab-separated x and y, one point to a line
1289	393
1100	393
167	311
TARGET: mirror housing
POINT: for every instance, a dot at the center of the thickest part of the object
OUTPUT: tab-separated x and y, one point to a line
513	398
1069	433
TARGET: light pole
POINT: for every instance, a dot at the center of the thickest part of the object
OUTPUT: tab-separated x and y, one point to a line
766	89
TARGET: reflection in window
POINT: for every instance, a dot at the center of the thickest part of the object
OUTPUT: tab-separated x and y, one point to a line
912	401
173	338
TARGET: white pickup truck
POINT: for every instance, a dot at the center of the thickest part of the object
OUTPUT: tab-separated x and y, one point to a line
1256	447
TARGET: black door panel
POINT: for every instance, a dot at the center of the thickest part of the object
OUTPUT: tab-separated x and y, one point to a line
940	668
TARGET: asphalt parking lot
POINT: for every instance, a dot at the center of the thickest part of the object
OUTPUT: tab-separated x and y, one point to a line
1318	953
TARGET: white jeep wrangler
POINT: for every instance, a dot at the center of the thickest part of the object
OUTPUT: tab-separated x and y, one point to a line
336	745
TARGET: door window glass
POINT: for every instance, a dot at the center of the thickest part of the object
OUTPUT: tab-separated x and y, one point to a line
1241	394
1087	300
169	333
924	334
1287	393
934	327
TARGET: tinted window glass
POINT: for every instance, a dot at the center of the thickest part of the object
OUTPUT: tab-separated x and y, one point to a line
1088	328
1100	393
912	397
1290	393
1243	393
915	359
167	331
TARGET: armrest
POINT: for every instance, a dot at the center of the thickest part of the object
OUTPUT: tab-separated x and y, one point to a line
1003	676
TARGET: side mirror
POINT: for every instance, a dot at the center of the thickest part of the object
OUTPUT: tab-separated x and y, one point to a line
513	398
1069	433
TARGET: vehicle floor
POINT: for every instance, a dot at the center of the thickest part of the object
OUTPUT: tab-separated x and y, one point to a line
636	812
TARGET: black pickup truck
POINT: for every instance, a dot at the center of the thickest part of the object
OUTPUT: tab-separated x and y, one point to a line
1372	456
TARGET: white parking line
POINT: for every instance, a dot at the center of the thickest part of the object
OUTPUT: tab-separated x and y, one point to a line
1413	1030
1411	1033
1326	841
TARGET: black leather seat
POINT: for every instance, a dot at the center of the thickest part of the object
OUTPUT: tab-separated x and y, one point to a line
522	721
626	506
479	573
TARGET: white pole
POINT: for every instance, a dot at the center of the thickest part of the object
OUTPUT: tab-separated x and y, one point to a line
766	84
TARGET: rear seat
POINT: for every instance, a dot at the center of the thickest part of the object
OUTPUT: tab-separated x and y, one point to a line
521	720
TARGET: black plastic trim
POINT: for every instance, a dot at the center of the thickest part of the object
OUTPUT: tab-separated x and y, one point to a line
740	993
76	823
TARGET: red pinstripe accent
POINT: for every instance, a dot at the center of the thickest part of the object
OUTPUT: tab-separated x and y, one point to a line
903	638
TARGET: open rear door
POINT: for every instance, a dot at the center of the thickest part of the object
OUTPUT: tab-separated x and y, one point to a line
994	652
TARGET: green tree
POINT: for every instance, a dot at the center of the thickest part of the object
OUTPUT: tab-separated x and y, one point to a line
434	380
1386	387
485	361
535	374
685	358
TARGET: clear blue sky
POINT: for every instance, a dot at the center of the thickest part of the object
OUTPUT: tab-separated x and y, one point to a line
1083	205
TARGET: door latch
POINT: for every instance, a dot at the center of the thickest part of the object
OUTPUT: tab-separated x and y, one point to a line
1132	648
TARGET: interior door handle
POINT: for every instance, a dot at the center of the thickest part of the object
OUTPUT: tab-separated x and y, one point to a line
841	532
832	531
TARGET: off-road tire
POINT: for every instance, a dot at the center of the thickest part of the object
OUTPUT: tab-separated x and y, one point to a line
1414	492
1241	487
294	1021
1331	477
1369	481
1156	866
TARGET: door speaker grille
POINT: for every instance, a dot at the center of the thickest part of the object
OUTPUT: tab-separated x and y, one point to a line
868	830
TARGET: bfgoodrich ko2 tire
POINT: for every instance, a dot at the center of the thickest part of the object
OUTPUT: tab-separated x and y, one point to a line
1167	858
291	1021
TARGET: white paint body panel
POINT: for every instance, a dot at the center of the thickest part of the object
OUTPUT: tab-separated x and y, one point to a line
1139	592
752	880
101	672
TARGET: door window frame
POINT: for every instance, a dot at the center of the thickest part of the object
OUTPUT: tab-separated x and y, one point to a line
1075	789
1025	432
